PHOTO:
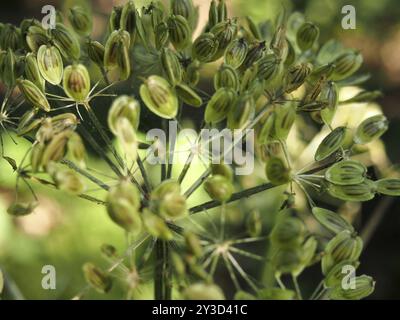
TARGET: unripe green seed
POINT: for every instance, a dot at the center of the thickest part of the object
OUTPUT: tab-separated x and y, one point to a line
371	129
286	260
331	220
364	96
242	112
218	188
364	286
50	64
76	149
225	32
388	186
97	278
219	105
76	82
289	232
156	226
205	47
307	35
284	120
114	22
254	224
33	94
364	191
346	65
66	42
124	107
179	31
128	19
80	20
236	53
222	169
330	144
193	244
277	172
226	77
95	51
9	72
18	209
335	276
203	291
188	95
10	37
171	65
330	95
68	180
36	37
254	54
184	8
297	75
346	172
32	72
213	18
161	35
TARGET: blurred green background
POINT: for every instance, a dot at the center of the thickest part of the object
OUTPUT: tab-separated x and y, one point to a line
67	232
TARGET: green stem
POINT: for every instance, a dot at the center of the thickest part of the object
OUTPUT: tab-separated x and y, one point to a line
297	288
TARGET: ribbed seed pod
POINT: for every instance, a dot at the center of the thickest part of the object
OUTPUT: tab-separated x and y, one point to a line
324	71
344	246
159	97
64	121
123	202
225	32
222	10
288	232
346	172
329	94
388	186
226	77
203	291
116	55
307	35
56	149
236	53
126	136
192	74
33	94
205	47
346	65
115	19
179	32
140	29
32	72
254	54
36	37
169	201
156	226
218	188
128	20
76	82
81	20
10	37
219	105
370	129
284	120
66	42
364	191
277	172
286	260
331	220
68	181
269	68
267	131
330	144
28	123
212	15
364	96
9	71
242	112
171	65
335	276
95	51
188	95
97	278
124	107
161	35
157	13
184	8
364	286
222	169
296	76
254	224
37	156
50	64
76	149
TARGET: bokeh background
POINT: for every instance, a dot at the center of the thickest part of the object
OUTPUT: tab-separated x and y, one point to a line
66	232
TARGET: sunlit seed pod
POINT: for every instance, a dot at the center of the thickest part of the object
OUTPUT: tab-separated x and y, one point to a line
95	51
344	246
32	72
276	294
193	244
225	32
56	149
277	172
364	191
158	95
96	278
114	22
81	20
76	82
296	76
335	276
346	172
330	95
222	169
288	232
50	64
126	136
254	54
330	144
364	96
371	129
156	226
205	47
388	186
286	260
66	42
242	112
76	149
213	18
164	188
108	251
236	53
331	220
10	37
173	206
33	94
364	286
161	35
218	188
9	71
307	35
18	209
69	181
226	77
171	66
203	291
179	32
284	120
63	121
37	156
128	19
45	132
36	37
254	224
267	131
219	105
124	107
346	65
188	95
117	44
184	8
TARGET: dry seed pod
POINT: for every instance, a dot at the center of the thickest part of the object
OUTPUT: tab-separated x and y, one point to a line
179	32
335	276
226	77
307	35
128	19
32	72
242	112
346	172
236	53
346	65
331	220
97	278
50	64
225	32
33	94
388	186
188	95
364	286
218	188
330	144
371	129
171	65
159	97
296	76
95	51
329	94
205	47
364	191
124	107
18	209
66	42
156	226
277	172
81	20
36	37
219	105
76	82
203	291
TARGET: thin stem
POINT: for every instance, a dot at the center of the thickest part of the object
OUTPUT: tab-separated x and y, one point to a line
297	287
317	289
144	173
